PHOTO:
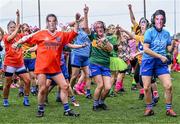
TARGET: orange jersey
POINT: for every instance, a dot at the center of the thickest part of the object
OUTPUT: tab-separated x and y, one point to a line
49	50
13	57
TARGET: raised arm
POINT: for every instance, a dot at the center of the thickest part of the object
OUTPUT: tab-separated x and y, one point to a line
132	36
133	20
86	27
71	24
17	17
77	21
13	35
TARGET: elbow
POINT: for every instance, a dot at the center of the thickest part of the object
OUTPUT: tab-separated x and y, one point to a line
170	50
110	48
145	50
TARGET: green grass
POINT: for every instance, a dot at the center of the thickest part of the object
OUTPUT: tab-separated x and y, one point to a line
125	108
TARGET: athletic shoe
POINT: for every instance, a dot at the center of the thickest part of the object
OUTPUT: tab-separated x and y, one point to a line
134	87
148	112
89	96
71	113
34	93
122	90
103	106
40	114
82	85
5	103
95	108
141	96
26	102
83	91
77	89
75	104
78	92
20	94
171	113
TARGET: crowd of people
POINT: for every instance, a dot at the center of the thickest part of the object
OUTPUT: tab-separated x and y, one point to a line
75	56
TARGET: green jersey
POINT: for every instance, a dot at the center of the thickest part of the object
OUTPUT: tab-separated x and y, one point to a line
98	55
114	41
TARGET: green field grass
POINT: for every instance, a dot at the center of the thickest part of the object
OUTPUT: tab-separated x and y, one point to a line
123	109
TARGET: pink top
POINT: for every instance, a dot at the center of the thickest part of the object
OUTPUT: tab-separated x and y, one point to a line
132	45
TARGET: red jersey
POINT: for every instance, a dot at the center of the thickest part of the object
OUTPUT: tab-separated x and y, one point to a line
13	57
50	47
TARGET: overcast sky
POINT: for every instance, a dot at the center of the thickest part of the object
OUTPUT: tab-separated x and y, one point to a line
109	11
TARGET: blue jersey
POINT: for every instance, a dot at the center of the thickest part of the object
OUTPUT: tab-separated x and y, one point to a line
158	41
79	40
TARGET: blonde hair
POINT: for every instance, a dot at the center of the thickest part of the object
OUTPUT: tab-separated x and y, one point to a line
2	31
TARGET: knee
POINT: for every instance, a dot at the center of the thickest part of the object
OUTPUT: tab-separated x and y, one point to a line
123	76
168	87
107	88
147	88
100	85
7	85
27	81
33	77
86	76
65	86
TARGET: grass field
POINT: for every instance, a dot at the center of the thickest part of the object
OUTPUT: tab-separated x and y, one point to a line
124	109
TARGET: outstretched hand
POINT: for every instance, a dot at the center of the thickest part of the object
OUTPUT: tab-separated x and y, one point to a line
129	6
17	12
86	9
77	17
117	30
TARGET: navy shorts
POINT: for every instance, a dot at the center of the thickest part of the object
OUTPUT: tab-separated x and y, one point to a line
29	64
49	76
1	66
65	71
